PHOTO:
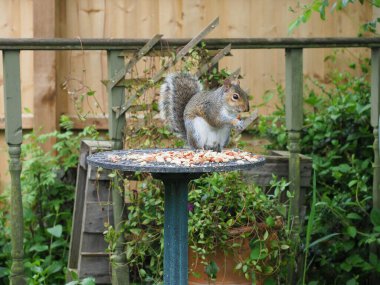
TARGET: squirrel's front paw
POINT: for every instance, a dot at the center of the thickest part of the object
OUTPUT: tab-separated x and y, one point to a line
239	125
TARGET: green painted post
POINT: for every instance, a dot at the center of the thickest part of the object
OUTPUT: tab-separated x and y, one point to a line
13	134
375	113
116	98
175	229
294	121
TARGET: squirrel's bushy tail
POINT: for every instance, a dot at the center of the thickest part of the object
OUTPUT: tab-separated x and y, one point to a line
175	93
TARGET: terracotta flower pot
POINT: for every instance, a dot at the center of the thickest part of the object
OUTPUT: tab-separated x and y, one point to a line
227	275
227	263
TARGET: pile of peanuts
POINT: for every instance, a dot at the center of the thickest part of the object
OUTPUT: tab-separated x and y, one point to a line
187	157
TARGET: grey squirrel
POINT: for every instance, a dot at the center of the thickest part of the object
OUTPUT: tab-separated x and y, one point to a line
203	118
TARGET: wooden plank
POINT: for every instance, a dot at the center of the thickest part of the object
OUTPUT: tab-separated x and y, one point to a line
159	74
116	98
76	229
97	214
26	121
94	242
100	122
13	134
99	175
99	268
294	122
279	166
80	241
132	62
44	98
235	74
375	87
375	117
99	191
206	67
132	44
193	42
12	97
294	89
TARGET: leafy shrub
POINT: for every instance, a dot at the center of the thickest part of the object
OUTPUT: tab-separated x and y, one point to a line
338	136
249	215
48	183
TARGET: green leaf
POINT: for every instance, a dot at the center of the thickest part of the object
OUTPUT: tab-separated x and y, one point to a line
245	268
377	229
306	15
266	235
344	168
136	232
195	274
268	269
270	281
238	266
376	3
142	272
4	272
373	258
255	253
88	281
129	252
375	216
27	110
284	246
53	268
294	25
354	216
270	221
351	231
55	231
351	282
322	239
346	267
354	259
39	248
345	2
212	269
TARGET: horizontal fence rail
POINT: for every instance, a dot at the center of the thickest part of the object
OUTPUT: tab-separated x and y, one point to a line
212	43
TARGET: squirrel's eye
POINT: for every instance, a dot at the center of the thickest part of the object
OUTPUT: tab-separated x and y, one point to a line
235	96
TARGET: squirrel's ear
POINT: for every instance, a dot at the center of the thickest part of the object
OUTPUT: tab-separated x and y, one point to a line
227	83
236	82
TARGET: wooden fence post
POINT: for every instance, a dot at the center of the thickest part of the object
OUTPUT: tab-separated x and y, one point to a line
375	113
13	133
294	121
116	98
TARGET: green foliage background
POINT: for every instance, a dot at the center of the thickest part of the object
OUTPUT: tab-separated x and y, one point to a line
338	136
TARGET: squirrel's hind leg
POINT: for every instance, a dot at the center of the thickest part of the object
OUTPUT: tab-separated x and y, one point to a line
214	147
195	133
